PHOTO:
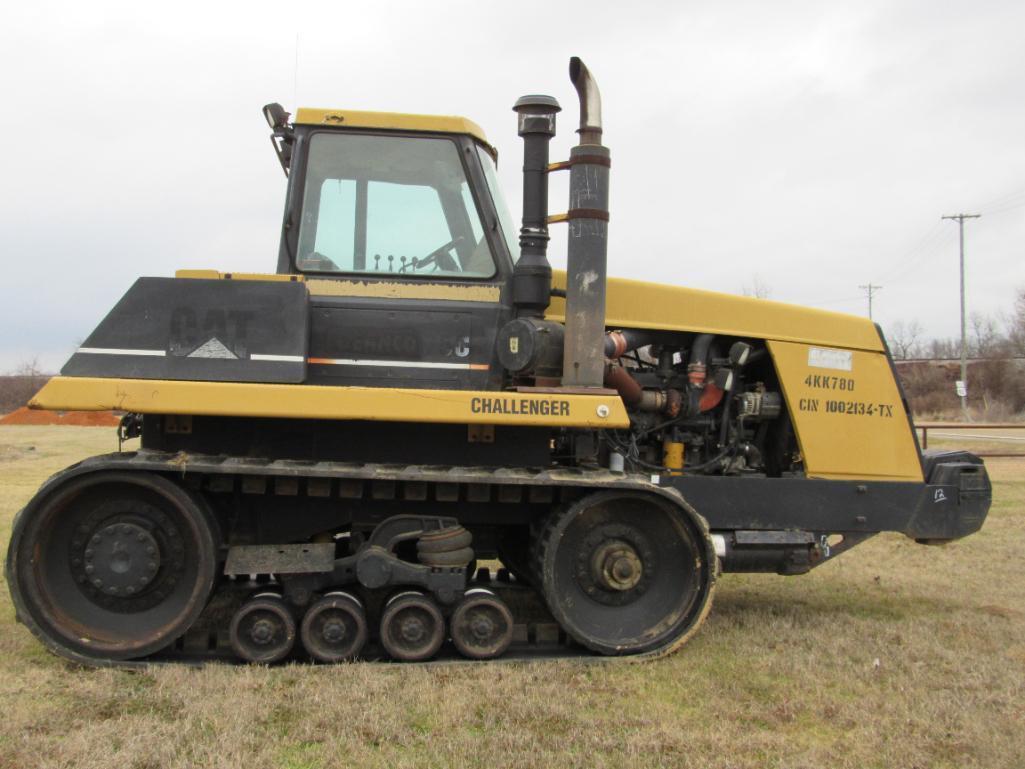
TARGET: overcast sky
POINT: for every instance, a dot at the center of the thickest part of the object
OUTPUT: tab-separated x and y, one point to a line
813	145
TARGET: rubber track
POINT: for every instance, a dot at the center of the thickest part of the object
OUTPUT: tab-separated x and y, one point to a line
184	465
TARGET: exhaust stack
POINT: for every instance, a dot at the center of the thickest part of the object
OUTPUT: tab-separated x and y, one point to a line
590	102
587	256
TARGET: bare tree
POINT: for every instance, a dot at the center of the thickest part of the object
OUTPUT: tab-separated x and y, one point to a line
29	368
759	288
905	340
996	387
1016	325
944	348
985	339
16	388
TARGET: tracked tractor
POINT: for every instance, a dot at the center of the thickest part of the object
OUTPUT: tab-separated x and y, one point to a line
417	439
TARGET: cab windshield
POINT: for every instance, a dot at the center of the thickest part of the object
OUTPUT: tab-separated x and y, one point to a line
391	205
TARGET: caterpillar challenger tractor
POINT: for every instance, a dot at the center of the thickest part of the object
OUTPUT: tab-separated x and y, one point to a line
415	438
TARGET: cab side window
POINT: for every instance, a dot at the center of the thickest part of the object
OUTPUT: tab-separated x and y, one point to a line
390	205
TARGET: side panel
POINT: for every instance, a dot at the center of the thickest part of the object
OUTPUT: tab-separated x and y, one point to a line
403	343
200	330
393	333
847	413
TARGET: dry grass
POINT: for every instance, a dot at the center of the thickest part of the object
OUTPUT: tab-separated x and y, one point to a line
895	655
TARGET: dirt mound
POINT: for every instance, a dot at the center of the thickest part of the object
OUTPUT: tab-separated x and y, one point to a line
26	416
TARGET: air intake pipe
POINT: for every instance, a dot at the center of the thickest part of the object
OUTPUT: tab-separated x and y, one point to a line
588	216
532	276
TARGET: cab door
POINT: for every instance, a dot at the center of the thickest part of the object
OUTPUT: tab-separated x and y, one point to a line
406	270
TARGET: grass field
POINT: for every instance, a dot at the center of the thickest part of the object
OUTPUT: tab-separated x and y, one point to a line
894	655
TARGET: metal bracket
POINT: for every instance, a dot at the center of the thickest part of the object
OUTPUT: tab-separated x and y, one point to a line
480	434
579	213
376	567
594	160
179	424
280	559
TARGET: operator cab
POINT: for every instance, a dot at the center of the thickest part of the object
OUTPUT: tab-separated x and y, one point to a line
397	225
374	200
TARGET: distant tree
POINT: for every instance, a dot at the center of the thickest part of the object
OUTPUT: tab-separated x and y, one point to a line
905	340
29	368
759	288
1016	325
944	348
984	337
996	387
20	385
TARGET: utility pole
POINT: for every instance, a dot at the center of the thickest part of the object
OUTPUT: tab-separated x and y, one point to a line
963	390
870	289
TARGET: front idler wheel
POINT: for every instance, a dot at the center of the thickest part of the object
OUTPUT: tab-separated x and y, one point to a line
481	625
626	572
263	629
334	629
112	565
412	628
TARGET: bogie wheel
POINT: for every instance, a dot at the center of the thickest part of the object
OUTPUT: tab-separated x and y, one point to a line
112	565
626	572
263	629
334	628
412	628
481	625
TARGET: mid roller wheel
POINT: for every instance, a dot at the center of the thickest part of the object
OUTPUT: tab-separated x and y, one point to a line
626	572
112	565
334	628
263	629
482	625
412	628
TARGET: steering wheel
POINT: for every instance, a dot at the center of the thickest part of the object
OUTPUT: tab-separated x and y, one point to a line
439	257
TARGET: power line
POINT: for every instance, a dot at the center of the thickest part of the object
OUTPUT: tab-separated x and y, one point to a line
918	257
1004	208
1001	200
1004	203
936	238
964	360
870	289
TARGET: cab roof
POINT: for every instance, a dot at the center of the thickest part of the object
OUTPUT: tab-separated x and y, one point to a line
393	121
